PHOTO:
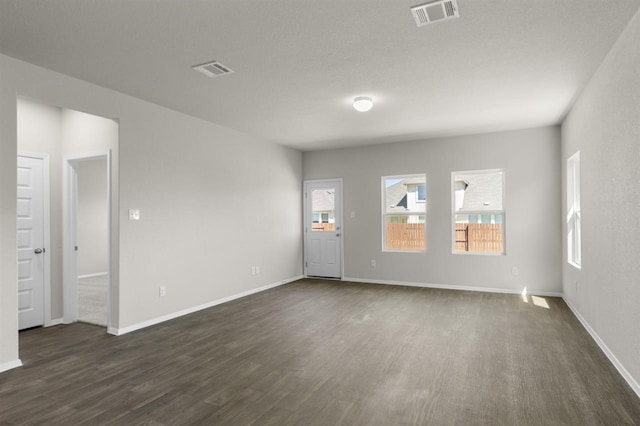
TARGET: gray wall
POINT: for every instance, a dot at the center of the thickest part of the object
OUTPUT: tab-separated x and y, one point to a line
530	159
93	218
214	202
604	125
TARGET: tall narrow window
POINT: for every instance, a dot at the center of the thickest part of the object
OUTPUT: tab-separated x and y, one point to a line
404	208
574	250
478	212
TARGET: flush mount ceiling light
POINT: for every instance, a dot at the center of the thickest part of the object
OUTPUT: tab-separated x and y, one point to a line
362	103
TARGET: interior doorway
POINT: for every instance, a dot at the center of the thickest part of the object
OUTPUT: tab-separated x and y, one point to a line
69	140
88	235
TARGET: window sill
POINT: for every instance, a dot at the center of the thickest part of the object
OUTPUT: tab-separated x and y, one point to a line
403	251
474	253
575	265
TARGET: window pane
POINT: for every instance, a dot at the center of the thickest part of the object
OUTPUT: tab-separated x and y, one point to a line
323	209
402	194
403	212
478	211
574	255
405	232
480	191
479	237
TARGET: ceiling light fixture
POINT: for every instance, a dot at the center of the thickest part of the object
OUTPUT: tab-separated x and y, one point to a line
362	103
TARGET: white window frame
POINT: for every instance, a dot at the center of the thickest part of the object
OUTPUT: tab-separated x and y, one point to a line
385	214
479	213
574	214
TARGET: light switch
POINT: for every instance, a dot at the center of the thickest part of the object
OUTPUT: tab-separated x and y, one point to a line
134	214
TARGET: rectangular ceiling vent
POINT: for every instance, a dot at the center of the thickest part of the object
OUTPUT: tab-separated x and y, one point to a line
435	11
213	69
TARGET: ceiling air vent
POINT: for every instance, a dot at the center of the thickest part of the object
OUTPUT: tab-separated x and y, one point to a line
435	11
213	69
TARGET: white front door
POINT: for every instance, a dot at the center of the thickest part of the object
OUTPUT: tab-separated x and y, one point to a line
323	228
31	250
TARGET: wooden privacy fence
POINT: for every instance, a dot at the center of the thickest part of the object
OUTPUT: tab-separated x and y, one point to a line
323	227
406	236
479	237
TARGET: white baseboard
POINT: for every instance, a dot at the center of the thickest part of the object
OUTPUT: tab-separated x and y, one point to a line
53	322
158	320
98	274
454	287
5	366
616	363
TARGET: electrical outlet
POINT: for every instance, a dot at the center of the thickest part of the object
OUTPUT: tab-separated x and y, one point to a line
257	270
134	214
253	270
163	291
373	263
515	270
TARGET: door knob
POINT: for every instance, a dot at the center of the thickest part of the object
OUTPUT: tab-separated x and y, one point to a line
38	251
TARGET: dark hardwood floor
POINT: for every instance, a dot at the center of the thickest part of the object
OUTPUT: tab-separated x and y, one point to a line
322	353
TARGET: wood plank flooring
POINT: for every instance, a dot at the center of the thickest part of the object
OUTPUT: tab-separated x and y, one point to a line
322	353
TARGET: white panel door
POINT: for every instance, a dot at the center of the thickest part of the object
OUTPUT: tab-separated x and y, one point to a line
323	228
31	251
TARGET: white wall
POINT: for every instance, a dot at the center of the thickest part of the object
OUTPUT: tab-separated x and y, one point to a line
530	159
213	202
93	217
8	253
604	125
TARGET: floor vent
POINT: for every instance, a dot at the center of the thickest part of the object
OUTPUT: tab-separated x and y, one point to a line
434	12
213	69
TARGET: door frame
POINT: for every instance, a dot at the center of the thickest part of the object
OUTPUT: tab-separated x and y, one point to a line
46	229
70	233
307	216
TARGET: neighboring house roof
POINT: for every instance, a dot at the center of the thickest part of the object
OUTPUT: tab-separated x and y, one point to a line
484	192
396	197
323	200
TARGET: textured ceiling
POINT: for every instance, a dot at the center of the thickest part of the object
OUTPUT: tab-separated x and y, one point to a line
504	64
